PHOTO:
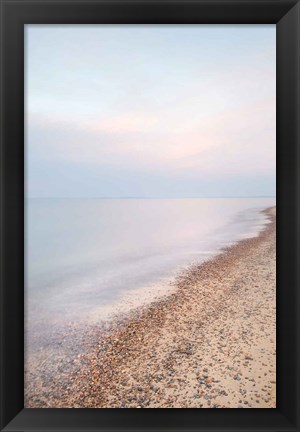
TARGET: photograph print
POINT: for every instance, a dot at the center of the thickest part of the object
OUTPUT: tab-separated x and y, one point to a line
150	216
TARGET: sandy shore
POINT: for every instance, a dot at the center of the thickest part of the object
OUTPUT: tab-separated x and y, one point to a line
209	344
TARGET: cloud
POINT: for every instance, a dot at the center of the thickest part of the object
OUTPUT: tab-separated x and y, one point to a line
201	109
237	141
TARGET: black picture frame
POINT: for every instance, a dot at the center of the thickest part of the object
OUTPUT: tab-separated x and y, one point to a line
16	13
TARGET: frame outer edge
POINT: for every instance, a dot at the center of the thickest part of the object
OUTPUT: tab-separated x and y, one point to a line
2	197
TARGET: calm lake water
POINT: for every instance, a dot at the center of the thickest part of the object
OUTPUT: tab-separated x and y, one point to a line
85	255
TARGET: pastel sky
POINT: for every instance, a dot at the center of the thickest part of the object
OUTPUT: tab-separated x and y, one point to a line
150	111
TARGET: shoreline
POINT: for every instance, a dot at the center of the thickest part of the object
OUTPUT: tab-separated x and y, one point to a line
179	351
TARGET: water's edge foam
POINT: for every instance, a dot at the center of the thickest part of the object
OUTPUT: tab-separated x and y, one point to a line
146	295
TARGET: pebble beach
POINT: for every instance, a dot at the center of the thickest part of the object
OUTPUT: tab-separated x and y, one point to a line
210	343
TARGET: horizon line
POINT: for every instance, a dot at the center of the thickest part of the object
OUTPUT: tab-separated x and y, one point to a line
154	197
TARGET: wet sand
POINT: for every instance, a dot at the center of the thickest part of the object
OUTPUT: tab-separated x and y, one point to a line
209	344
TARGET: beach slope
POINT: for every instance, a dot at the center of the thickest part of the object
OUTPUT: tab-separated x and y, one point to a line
209	344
